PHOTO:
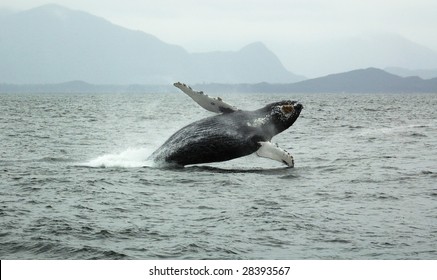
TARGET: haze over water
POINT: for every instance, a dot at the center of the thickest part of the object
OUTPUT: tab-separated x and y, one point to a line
75	182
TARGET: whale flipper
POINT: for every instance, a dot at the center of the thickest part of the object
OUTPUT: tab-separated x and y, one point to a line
272	151
213	104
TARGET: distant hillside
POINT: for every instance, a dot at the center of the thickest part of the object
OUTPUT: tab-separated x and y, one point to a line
380	50
403	72
370	80
53	44
366	80
83	87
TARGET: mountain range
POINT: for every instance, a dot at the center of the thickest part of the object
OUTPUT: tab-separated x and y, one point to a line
370	80
392	52
56	49
53	44
403	72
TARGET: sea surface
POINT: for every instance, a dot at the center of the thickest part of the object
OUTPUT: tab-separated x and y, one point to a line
75	182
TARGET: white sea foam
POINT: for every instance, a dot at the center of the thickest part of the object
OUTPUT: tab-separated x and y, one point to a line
132	157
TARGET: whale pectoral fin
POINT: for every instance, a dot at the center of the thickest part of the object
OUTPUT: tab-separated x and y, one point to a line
272	151
213	104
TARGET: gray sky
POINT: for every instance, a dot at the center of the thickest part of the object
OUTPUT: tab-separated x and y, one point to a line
231	24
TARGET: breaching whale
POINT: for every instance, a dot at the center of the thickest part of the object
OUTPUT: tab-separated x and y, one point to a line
230	134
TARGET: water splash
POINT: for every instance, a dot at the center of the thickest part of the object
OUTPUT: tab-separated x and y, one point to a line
130	158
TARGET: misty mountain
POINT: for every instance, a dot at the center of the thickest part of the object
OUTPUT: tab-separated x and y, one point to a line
422	73
370	80
84	87
53	44
323	57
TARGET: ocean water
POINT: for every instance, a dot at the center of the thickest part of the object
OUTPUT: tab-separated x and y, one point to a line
75	182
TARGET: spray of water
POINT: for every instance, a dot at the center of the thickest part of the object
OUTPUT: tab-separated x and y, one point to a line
130	158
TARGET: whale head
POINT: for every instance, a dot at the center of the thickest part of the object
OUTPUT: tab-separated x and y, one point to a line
282	114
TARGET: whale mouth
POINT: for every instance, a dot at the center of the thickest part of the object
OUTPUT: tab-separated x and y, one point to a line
288	109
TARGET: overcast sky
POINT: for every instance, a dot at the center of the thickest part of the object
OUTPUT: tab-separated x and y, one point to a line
205	25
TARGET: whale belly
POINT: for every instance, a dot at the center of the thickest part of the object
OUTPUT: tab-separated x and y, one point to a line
209	140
